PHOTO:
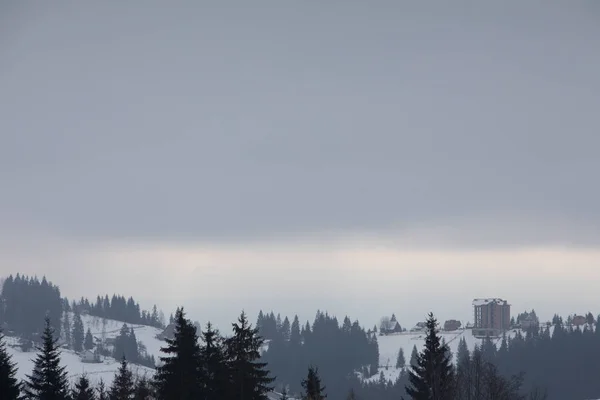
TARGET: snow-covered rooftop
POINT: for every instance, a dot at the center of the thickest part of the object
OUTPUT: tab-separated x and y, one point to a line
483	302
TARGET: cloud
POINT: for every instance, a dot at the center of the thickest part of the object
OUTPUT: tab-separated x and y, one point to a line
120	121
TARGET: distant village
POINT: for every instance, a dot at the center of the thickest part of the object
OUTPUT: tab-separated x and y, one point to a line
491	318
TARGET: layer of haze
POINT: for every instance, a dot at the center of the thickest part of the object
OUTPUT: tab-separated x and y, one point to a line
350	156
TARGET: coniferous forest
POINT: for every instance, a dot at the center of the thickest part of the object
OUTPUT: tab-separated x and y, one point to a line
322	359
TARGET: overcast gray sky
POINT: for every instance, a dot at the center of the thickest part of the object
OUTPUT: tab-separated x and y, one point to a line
462	126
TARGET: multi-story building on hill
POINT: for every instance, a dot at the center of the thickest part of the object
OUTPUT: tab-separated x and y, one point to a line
492	317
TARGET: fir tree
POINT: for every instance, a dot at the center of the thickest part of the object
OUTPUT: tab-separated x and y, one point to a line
286	329
313	390
143	390
463	369
83	390
67	328
180	375
126	345
432	378
214	364
295	336
78	332
122	387
250	379
89	340
400	361
9	385
101	389
48	380
284	394
414	357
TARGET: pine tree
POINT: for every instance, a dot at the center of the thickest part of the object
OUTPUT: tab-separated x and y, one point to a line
67	328
432	378
89	340
154	318
180	375
286	329
313	390
134	355
143	390
9	385
250	379
295	336
101	389
78	332
83	390
400	361
463	369
122	387
284	394
48	380
214	364
488	350
414	357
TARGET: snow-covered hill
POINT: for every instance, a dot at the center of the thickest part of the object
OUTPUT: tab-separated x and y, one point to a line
104	370
389	347
108	367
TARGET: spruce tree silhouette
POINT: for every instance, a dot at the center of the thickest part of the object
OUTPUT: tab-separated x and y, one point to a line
9	385
432	377
48	380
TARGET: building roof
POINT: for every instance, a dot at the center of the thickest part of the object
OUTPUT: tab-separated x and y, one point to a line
484	302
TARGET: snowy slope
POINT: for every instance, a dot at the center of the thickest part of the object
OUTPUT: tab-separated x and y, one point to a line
144	334
105	370
389	347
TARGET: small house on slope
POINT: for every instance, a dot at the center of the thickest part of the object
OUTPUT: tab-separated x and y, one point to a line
89	356
167	333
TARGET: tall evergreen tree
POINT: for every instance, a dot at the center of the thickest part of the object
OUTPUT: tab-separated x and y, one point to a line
432	378
67	327
101	389
48	380
126	345
401	360
88	343
143	390
414	357
313	390
123	387
83	390
286	329
295	336
9	385
463	369
78	332
250	379
180	376
215	371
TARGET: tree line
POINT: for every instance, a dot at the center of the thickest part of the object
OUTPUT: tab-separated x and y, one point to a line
211	368
25	302
118	308
338	350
